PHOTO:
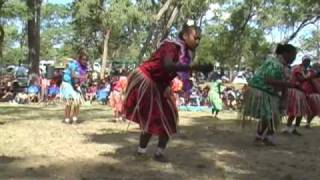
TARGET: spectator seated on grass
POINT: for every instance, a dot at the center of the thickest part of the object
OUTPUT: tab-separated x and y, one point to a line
103	93
7	95
53	91
33	92
21	98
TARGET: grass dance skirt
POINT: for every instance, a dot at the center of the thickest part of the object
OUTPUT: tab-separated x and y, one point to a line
297	104
262	106
145	104
69	95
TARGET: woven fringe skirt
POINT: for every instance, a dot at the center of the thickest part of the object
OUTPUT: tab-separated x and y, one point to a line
261	106
116	101
314	103
297	104
69	95
144	103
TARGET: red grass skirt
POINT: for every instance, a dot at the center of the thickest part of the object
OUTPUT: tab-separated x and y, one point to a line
314	103
144	103
115	100
297	104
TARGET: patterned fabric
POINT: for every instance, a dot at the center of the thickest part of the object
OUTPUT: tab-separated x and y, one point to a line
272	68
261	100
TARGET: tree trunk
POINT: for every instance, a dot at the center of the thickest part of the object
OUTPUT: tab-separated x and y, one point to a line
302	25
166	30
34	34
163	9
105	53
1	40
318	42
1	32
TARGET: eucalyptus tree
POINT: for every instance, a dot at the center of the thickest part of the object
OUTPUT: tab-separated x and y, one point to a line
13	17
99	21
33	24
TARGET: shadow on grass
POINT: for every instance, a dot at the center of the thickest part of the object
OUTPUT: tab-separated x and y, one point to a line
16	113
7	159
207	149
217	149
145	167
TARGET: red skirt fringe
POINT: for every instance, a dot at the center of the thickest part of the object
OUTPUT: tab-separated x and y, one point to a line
297	104
144	103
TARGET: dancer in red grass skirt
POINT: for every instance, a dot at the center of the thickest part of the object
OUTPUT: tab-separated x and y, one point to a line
176	86
297	105
311	87
149	99
116	98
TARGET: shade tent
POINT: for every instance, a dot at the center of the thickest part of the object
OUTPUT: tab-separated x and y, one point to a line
239	80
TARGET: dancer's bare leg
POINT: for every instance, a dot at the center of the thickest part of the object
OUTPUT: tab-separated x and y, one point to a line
67	113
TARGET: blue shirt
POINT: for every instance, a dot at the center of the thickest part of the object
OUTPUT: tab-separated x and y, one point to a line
72	67
33	89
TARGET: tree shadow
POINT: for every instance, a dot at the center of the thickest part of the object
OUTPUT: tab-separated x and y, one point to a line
18	113
8	159
16	171
184	157
241	157
205	149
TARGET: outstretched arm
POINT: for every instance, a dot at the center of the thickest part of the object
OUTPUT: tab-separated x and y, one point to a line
171	66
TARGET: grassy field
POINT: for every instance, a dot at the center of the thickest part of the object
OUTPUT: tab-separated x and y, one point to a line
34	144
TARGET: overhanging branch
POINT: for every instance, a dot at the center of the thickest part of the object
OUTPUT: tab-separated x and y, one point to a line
303	24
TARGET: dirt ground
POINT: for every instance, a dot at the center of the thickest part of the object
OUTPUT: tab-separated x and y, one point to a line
34	144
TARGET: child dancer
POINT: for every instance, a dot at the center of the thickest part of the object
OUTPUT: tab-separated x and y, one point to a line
214	97
176	86
261	100
116	98
74	75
